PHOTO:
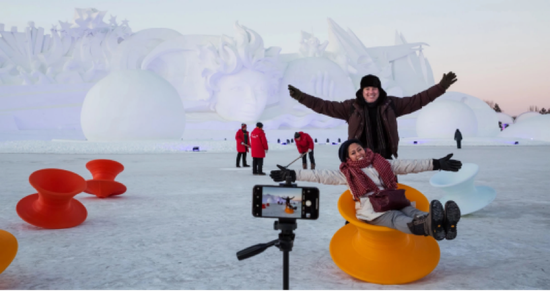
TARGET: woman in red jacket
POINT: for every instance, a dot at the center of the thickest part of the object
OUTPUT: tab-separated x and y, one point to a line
243	143
305	144
259	149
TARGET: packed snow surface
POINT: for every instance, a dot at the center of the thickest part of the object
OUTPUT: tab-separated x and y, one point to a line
186	214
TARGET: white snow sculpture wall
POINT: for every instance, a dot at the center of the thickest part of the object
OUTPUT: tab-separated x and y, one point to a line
441	119
132	105
487	119
535	128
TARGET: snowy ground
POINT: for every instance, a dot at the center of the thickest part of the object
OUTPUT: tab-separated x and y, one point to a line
186	214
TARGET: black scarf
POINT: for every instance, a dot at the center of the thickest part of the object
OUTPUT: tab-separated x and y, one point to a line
374	136
245	136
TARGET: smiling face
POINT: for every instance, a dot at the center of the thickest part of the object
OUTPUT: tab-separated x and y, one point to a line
356	152
371	94
242	96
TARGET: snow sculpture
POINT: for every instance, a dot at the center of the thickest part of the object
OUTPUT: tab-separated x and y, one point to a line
441	119
77	52
241	77
314	74
132	105
401	71
487	119
534	128
525	116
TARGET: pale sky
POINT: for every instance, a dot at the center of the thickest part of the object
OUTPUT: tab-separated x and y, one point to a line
498	48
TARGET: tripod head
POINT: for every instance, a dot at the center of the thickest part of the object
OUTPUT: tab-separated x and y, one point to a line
284	243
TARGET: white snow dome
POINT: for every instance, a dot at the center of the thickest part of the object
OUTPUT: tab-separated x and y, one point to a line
525	116
441	119
132	105
535	128
505	118
487	118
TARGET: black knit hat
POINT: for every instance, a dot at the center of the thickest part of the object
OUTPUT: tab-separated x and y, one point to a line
296	135
259	124
370	81
343	151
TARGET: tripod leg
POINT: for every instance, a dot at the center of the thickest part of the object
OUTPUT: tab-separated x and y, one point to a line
285	270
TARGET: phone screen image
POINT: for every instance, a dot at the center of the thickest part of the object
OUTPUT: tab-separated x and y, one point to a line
282	202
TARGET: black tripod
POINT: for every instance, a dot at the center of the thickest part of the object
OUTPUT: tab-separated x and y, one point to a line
284	243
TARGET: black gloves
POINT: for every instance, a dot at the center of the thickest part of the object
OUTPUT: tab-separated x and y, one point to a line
447	80
446	164
280	175
294	92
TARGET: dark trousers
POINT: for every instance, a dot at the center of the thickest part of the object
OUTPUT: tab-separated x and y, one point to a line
458	142
257	165
239	158
311	158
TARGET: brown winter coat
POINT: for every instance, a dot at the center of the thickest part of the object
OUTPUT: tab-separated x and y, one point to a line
356	117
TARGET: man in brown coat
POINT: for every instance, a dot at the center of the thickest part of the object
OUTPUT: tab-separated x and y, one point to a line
372	115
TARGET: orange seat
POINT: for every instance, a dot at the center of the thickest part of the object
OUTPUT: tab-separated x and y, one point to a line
8	249
379	254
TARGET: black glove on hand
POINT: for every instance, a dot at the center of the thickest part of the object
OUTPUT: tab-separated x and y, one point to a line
447	80
446	164
280	175
294	92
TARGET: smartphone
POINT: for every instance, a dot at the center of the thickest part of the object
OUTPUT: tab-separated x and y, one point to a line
285	202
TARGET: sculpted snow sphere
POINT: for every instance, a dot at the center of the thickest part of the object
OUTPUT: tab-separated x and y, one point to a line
132	105
526	115
441	118
487	118
535	128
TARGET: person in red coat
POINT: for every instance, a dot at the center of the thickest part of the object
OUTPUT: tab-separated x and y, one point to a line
243	143
305	144
258	149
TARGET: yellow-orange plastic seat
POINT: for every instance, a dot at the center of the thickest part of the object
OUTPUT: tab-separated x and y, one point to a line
8	249
381	255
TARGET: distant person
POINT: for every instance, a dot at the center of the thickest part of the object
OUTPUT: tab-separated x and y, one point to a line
367	173
372	115
243	143
305	144
458	138
259	149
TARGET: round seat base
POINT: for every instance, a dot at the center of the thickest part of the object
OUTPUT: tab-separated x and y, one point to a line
74	215
8	247
409	262
473	202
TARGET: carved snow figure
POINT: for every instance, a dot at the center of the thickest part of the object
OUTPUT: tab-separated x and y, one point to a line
241	76
316	75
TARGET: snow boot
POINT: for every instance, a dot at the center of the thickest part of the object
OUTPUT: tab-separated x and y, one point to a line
246	166
452	216
304	166
313	166
430	224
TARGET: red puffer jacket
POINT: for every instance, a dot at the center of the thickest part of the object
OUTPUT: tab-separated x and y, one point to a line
258	143
305	143
239	137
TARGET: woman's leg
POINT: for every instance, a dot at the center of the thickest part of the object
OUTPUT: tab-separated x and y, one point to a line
412	212
393	219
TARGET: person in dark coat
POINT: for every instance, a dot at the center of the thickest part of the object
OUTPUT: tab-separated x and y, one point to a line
372	115
258	149
243	143
458	138
305	144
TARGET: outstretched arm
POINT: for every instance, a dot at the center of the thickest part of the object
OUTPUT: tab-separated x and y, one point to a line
340	110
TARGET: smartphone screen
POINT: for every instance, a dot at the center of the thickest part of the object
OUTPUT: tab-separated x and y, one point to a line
285	202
